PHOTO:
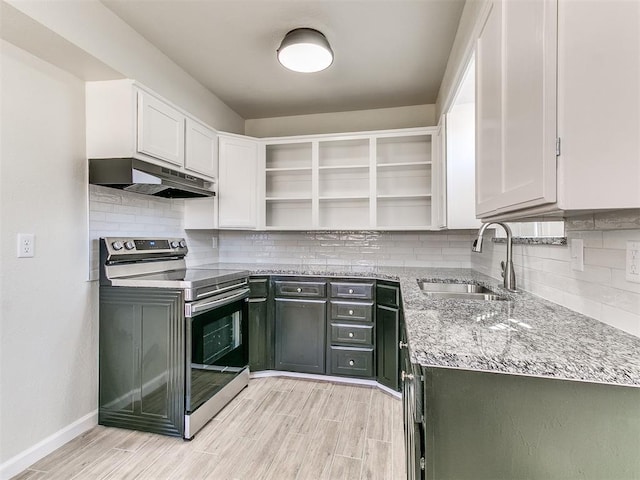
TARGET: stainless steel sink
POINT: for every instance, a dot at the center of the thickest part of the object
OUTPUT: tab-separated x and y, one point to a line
464	291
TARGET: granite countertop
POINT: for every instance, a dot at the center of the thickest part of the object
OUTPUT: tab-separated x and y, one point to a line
524	335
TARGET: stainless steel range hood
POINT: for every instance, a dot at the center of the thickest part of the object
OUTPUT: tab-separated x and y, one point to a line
146	178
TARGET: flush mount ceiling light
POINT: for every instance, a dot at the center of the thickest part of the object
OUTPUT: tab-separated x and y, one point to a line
305	50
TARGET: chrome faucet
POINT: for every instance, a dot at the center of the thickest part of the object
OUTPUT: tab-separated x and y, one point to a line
508	273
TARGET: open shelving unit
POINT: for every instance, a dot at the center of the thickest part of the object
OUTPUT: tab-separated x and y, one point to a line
372	180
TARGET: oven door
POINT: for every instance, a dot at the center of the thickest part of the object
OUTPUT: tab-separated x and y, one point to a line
217	355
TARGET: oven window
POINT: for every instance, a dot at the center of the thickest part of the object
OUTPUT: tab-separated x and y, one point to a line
218	351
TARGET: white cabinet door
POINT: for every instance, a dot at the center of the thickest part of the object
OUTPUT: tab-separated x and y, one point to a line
516	95
238	174
201	149
160	129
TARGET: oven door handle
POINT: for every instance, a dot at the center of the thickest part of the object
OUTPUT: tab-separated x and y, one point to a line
196	308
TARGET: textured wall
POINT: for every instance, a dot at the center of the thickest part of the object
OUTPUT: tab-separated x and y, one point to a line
600	291
437	249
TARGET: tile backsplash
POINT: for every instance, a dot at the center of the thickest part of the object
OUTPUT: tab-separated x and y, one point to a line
601	290
120	213
349	248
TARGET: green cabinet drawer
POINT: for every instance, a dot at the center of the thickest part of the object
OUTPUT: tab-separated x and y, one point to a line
362	291
353	311
353	362
300	289
353	334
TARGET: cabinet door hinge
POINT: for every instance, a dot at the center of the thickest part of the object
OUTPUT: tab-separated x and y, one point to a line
557	146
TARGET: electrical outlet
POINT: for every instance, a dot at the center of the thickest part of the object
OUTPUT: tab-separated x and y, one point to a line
633	262
26	245
577	254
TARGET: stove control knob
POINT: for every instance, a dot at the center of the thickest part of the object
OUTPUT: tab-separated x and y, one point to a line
129	245
117	245
174	244
183	244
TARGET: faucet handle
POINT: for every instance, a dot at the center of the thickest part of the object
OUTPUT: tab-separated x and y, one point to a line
502	267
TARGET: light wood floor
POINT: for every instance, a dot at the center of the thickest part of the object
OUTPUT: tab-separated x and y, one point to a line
277	428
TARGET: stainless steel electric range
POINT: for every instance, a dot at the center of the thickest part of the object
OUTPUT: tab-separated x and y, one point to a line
173	340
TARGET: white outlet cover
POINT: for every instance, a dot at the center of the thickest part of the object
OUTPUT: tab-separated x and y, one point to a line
577	254
26	245
632	265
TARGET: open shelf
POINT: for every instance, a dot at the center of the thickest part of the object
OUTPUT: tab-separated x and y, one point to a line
288	213
343	182
288	155
403	149
406	179
400	164
288	183
335	153
344	213
402	212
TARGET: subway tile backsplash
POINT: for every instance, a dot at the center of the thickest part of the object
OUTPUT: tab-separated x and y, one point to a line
115	212
348	248
601	290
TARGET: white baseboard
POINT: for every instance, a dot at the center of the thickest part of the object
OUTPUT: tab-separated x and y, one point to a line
31	455
325	378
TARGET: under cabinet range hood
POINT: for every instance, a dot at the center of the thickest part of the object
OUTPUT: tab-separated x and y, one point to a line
138	176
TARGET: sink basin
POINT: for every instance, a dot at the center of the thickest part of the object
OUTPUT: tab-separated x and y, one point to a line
463	291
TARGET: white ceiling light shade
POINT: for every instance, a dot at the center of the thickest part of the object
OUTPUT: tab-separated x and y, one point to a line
305	50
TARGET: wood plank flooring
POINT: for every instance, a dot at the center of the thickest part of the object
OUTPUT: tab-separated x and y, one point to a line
278	428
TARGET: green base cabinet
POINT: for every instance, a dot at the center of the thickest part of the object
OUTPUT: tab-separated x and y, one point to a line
387	334
260	325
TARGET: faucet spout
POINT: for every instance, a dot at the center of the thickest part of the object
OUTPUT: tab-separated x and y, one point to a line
508	272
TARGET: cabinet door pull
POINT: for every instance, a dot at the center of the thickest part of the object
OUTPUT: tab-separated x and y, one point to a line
352	363
406	376
403	344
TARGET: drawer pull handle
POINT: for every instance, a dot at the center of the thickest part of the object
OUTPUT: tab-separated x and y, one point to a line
298	289
350	334
352	363
350	312
351	290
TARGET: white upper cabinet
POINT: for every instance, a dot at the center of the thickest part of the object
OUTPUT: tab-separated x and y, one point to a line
160	129
238	182
549	70
127	120
201	149
516	107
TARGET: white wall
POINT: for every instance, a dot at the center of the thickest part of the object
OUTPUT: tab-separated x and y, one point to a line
95	29
461	51
354	121
461	156
48	361
600	291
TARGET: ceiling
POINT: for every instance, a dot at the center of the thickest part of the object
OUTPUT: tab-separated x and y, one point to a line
388	53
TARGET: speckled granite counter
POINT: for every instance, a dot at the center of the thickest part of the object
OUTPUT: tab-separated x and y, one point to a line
525	335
